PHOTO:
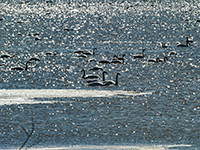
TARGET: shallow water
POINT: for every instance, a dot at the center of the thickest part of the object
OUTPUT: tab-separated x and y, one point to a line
167	115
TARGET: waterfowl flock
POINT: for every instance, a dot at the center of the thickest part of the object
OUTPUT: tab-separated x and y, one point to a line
99	65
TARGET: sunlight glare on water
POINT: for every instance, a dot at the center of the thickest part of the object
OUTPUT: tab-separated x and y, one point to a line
154	103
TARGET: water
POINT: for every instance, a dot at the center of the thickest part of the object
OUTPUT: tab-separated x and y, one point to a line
162	111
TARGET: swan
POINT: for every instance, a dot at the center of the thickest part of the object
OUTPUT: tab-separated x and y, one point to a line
97	82
6	56
153	60
172	53
104	62
139	56
188	41
34	59
164	60
182	45
92	76
117	60
111	82
50	53
21	68
78	51
82	56
96	68
164	45
158	60
122	58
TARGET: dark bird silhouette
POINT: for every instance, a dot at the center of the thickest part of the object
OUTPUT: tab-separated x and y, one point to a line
111	82
18	68
139	56
91	76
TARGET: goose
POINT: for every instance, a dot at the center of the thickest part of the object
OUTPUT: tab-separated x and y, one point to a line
139	56
111	82
92	76
21	68
97	82
89	53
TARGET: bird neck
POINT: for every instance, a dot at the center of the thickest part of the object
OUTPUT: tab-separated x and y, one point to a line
83	73
116	81
103	76
26	67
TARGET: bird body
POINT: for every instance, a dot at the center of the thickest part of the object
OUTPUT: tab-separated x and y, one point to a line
96	68
34	59
97	82
92	76
172	53
18	68
188	41
110	82
5	56
78	52
116	62
104	62
182	45
139	56
50	53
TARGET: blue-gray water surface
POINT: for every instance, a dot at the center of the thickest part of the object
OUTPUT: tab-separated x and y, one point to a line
170	115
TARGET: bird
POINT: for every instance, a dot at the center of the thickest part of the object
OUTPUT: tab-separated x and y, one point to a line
6	56
172	53
104	62
21	68
91	76
116	62
162	60
78	51
89	53
97	82
50	53
122	58
188	41
183	45
111	82
34	59
96	68
158	60
82	56
139	56
164	45
153	60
